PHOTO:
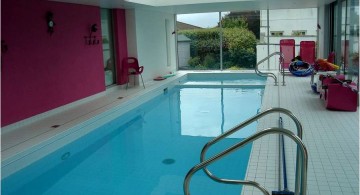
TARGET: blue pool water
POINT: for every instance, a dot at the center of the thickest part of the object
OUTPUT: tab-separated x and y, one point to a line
150	149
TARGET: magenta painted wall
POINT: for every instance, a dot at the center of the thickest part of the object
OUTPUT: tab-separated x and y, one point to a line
120	43
41	72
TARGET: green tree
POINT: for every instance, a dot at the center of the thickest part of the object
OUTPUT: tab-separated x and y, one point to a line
233	22
241	45
252	19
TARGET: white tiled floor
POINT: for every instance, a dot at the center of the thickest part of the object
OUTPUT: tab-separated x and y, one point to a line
331	138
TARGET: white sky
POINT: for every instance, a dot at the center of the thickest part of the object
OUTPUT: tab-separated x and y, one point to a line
205	20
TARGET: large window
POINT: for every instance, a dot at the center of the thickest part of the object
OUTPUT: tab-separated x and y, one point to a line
345	36
218	40
353	40
108	47
198	38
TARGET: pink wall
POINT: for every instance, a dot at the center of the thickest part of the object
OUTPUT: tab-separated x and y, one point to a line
41	72
120	43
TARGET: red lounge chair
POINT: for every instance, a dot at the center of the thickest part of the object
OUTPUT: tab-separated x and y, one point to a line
307	51
287	48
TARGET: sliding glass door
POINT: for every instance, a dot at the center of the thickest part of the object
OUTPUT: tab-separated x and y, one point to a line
108	47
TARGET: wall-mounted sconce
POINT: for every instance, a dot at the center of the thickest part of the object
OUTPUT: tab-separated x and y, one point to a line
50	22
92	40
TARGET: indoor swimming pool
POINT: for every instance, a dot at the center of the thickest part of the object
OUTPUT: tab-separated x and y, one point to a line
150	149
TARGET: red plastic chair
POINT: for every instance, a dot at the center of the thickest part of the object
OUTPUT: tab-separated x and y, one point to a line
131	65
307	51
287	48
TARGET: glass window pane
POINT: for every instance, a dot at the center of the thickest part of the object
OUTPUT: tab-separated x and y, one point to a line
262	46
198	38
108	48
344	35
240	30
335	26
353	46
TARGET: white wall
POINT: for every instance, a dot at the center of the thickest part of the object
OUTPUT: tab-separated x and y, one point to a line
298	39
150	42
131	32
288	20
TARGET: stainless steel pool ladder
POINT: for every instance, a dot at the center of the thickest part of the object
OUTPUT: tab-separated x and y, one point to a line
270	74
301	156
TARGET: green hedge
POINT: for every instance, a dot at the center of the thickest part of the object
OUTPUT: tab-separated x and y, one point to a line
239	48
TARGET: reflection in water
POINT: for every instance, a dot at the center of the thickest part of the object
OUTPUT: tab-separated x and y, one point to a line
215	110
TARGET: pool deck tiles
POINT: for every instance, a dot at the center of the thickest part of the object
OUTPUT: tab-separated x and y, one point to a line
331	138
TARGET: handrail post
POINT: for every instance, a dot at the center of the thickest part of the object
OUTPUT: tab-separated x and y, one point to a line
269	74
282	69
244	124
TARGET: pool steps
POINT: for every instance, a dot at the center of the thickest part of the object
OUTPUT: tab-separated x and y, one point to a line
301	157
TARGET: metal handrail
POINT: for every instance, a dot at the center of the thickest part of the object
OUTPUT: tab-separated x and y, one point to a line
267	74
244	124
273	130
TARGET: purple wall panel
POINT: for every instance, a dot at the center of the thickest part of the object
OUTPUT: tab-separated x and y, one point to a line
40	71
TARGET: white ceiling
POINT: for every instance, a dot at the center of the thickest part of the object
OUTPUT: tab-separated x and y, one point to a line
201	6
